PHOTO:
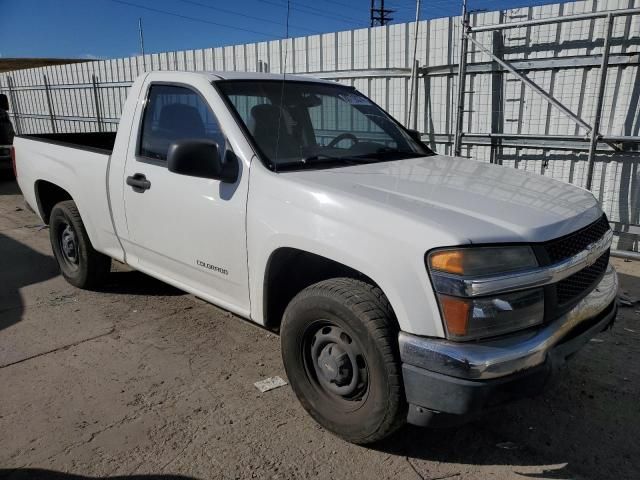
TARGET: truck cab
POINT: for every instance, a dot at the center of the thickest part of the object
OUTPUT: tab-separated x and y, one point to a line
406	285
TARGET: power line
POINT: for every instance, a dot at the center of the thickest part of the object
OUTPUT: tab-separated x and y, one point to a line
423	6
314	11
333	13
194	19
345	5
231	12
428	10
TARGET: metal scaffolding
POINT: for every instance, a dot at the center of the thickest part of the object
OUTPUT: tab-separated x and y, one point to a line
519	68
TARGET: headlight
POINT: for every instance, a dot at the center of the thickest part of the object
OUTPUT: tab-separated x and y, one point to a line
475	262
468	318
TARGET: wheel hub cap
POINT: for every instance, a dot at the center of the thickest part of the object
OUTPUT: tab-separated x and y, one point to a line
69	244
339	364
335	365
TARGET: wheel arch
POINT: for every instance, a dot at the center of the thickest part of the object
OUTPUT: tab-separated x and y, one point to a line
48	194
289	270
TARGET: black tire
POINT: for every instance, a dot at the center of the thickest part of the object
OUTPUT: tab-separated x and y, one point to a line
322	324
81	265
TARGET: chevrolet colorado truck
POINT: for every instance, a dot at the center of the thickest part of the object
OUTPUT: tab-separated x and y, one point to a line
406	286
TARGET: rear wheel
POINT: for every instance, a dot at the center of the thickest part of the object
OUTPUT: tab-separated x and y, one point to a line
80	264
339	347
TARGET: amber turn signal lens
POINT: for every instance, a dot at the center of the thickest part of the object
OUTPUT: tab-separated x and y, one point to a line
448	261
456	315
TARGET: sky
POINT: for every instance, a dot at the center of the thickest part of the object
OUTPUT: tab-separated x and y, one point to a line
100	29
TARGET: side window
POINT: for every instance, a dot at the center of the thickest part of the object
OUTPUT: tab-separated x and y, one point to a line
175	113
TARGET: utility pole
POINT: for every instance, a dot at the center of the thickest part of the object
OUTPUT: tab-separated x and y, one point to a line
380	15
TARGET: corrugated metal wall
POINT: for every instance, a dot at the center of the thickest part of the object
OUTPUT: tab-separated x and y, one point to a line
377	61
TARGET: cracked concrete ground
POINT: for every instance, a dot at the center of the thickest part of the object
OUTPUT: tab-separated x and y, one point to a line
141	380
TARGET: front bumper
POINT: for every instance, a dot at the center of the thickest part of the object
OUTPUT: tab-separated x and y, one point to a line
448	381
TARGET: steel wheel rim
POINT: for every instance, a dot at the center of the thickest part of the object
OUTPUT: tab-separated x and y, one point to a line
335	364
69	248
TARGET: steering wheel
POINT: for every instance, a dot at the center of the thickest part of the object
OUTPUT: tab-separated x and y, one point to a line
343	136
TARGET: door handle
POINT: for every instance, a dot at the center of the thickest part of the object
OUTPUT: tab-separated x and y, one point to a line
139	183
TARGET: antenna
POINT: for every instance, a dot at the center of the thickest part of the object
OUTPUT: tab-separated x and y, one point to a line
380	16
413	93
284	76
141	42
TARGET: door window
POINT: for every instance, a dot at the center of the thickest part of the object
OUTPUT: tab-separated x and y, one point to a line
176	113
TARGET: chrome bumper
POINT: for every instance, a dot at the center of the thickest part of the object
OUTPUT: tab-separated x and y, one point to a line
505	356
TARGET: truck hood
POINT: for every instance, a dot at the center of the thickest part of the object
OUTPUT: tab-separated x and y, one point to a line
472	201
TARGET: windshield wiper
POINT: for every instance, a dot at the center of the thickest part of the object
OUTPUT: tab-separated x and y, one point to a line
319	160
323	158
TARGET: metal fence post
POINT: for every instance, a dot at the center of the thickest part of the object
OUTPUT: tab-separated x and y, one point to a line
462	71
96	99
595	131
52	115
497	99
14	105
414	97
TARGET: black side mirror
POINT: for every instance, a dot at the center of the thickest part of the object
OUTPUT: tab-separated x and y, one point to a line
201	158
415	134
4	102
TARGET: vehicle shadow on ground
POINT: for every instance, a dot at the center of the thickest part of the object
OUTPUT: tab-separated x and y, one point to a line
39	474
523	435
133	282
20	266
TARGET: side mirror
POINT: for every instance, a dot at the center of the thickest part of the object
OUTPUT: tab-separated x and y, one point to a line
201	158
4	102
415	134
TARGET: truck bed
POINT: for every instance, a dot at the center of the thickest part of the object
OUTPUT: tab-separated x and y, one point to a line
101	142
77	163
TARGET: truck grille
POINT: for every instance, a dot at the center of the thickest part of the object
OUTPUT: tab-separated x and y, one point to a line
574	243
572	289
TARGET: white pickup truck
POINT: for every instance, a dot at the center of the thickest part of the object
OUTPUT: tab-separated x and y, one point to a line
406	286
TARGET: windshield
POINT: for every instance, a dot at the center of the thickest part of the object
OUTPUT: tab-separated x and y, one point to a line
301	124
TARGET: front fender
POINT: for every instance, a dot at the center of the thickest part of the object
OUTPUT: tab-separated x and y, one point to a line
286	217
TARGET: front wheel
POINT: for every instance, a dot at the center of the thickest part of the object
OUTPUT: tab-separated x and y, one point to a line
81	265
339	347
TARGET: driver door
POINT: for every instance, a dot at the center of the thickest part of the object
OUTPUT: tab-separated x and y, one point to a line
186	230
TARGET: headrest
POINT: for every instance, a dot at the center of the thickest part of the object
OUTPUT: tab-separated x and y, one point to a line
183	120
